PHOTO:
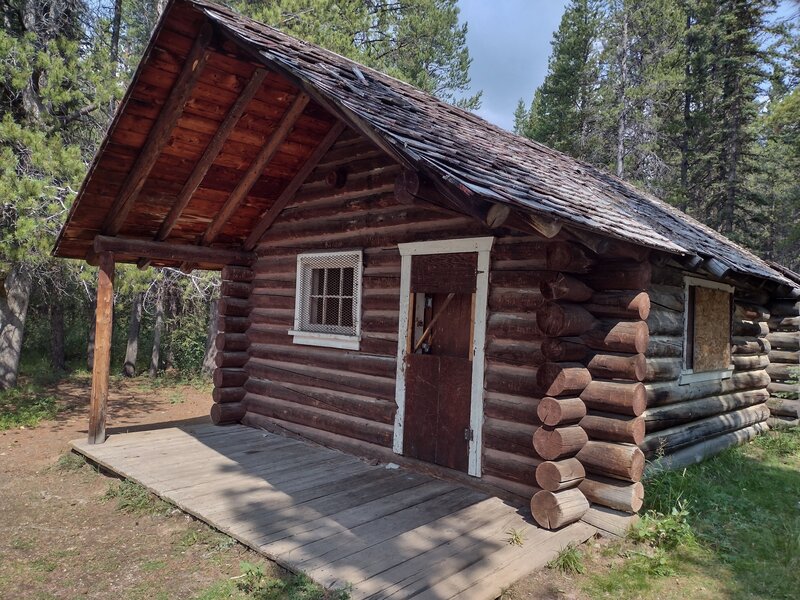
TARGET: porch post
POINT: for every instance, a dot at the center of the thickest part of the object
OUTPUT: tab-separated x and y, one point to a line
102	348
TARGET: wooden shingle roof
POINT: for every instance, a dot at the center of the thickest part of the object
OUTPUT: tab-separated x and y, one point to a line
484	160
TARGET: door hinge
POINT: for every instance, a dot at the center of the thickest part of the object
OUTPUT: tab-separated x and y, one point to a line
469	434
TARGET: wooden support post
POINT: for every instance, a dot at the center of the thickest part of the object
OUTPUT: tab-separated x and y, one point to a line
102	349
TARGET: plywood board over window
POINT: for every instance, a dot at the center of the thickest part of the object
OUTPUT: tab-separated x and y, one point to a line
712	329
707	349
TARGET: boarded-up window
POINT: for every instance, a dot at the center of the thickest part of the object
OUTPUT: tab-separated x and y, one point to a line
708	331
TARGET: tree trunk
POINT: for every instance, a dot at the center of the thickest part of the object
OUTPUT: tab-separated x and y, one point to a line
14	299
132	350
57	360
622	58
211	339
158	330
172	326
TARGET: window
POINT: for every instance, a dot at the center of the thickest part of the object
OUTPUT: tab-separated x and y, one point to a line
707	344
328	300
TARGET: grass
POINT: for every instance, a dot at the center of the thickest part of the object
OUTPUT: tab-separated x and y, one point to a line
210	540
255	584
730	527
136	499
25	406
569	561
70	462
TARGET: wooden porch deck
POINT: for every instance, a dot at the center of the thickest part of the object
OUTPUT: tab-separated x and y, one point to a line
388	533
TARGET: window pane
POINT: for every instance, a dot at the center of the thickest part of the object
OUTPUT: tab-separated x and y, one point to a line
332	311
333	285
347	312
315	311
347	281
317	282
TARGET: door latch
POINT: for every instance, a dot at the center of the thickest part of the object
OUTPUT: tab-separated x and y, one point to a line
468	434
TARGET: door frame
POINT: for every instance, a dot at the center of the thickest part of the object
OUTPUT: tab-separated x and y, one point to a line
483	246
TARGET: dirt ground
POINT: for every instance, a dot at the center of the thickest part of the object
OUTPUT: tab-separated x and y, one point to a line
59	538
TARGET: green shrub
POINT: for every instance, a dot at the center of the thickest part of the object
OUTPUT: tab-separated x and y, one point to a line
664	531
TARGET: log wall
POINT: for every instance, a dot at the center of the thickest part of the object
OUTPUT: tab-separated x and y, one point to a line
784	359
687	423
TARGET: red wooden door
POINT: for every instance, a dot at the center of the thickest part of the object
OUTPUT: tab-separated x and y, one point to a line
438	361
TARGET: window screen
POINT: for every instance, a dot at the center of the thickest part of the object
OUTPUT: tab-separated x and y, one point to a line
328	293
708	331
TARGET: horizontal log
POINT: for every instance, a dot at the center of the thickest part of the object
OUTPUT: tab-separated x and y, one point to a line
563	319
750	345
231	342
670	392
612	248
234	273
557	379
664	346
665	322
632	367
668	440
784	407
334	422
225	378
327	358
784	308
552	510
511	407
565	288
516	326
515	351
285	371
662	417
750	328
749	312
791	357
232	324
510	466
790	390
631	305
569	258
784	340
235	289
505	299
750	363
225	395
619	461
511	379
618	336
138	248
509	436
615	397
783	372
227	414
609	522
553	443
234	307
569	349
665	297
621	275
356	405
663	369
612	493
608	427
230	359
554	476
560	411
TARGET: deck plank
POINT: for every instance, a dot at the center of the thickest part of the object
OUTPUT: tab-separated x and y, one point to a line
390	533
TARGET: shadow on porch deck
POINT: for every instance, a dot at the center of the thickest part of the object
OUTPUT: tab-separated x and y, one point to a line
387	533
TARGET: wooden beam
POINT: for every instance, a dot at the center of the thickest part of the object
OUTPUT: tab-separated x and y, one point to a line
257	167
211	152
160	132
102	349
268	218
171	252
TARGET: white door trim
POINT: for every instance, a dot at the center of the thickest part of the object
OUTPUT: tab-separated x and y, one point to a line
483	247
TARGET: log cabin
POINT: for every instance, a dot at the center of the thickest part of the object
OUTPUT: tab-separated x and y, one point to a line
406	282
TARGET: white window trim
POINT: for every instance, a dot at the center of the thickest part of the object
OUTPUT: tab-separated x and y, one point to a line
688	376
319	338
483	247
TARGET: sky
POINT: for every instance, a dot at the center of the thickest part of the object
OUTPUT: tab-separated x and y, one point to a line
509	42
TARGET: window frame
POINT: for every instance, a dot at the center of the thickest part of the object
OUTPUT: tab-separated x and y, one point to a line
688	375
307	337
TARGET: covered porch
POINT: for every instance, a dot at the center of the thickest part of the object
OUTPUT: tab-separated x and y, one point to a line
381	531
